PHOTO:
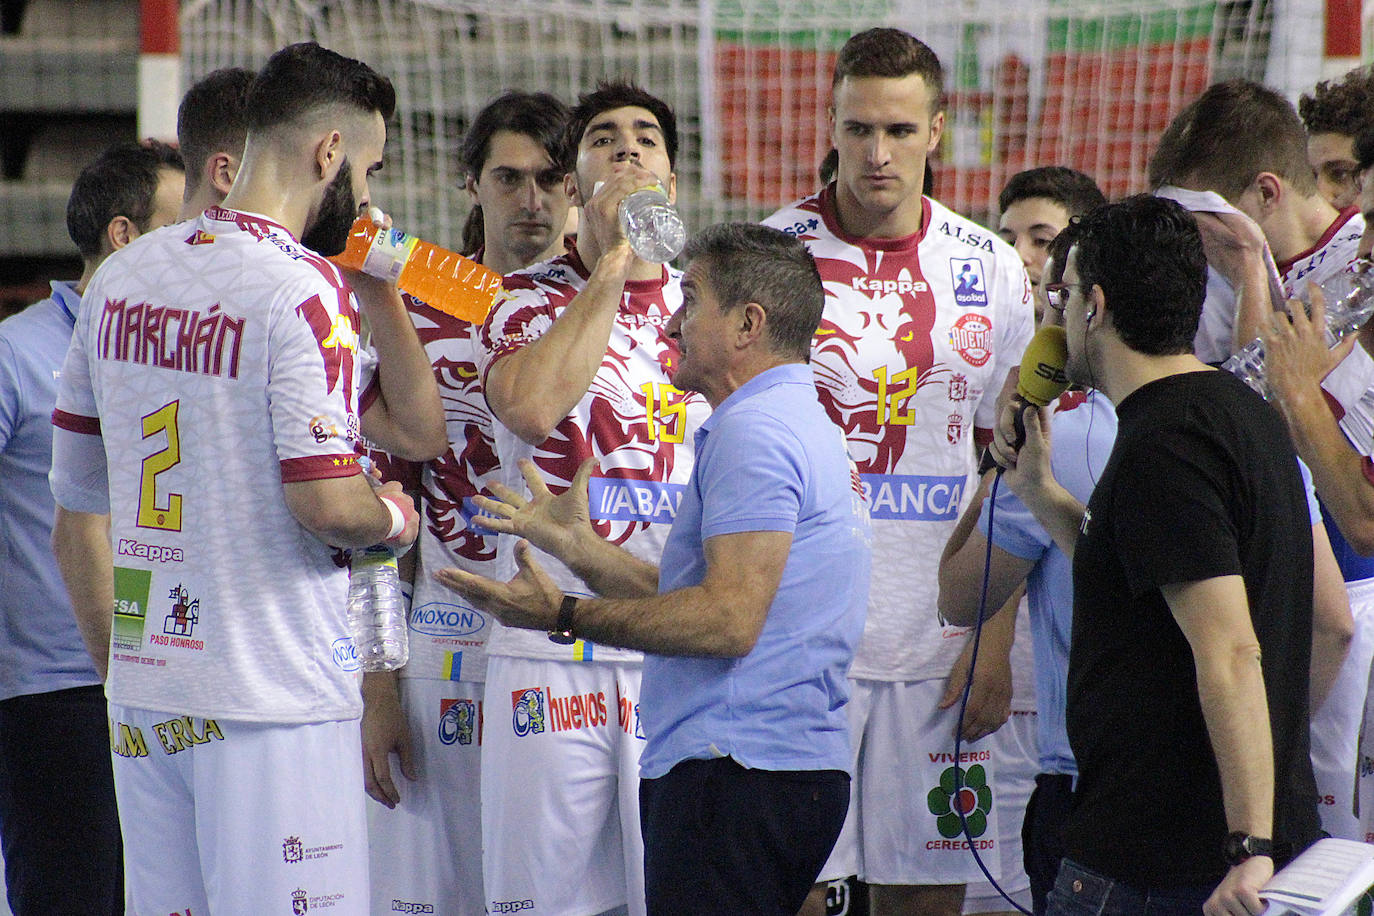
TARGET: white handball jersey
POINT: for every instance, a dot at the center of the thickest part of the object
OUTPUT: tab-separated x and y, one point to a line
917	337
1332	254
639	427
217	360
1350	385
448	636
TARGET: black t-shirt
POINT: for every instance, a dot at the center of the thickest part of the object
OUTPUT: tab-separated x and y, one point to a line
1202	482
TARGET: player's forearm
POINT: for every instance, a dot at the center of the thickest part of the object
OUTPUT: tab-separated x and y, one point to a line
340	511
81	544
1058	510
380	685
1333	626
411	423
960	563
1337	469
531	390
1254	305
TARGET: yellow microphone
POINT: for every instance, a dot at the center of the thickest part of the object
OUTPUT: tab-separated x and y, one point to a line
1040	381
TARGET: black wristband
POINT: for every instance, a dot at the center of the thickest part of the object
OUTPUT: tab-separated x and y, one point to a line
562	632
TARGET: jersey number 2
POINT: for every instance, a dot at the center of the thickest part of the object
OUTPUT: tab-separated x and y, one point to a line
150	514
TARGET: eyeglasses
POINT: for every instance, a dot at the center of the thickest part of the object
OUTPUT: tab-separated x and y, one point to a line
1057	295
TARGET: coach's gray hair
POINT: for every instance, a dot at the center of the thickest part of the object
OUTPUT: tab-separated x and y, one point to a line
753	263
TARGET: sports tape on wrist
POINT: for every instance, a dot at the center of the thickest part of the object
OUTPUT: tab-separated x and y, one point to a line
398	518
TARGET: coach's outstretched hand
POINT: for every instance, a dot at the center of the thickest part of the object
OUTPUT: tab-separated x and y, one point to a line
556	524
530	600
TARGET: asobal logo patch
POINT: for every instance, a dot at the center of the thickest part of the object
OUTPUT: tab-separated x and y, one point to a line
973	797
131	587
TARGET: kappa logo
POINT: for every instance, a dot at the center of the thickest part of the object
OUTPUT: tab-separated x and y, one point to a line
889	287
511	906
971	338
527	712
292	850
970	287
458	721
153	552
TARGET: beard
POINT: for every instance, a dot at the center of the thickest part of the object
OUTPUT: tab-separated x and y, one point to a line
328	234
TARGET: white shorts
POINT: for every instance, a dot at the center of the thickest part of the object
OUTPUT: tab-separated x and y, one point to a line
427	851
560	788
1335	728
1018	761
240	817
901	827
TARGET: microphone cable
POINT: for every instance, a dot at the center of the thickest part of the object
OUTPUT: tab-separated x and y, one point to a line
959	786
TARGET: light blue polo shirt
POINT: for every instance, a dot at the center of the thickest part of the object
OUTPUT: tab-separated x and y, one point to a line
768	459
40	647
1080	441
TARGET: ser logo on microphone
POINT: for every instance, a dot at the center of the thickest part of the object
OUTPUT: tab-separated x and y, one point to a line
1055	375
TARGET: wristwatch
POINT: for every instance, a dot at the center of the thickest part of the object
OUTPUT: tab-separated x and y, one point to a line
1241	846
562	633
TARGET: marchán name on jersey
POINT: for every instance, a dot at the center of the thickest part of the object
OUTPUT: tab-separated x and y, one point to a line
171	338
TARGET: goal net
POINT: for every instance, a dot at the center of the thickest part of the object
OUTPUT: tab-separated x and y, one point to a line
1085	83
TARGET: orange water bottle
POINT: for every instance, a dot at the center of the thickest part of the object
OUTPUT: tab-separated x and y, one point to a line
449	282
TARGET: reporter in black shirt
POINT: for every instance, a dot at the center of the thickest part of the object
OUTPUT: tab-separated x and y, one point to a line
1191	644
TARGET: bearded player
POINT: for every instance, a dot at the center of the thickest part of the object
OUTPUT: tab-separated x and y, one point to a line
214	373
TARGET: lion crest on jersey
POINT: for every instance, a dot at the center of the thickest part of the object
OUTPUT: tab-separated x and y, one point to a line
452	479
458	722
867	390
527	715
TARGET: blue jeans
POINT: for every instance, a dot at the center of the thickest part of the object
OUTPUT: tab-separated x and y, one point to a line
1080	892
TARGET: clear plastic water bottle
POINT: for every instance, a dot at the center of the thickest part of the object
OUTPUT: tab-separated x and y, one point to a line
377	610
1349	298
652	225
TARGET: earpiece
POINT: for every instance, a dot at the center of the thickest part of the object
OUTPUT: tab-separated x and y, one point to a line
1092	313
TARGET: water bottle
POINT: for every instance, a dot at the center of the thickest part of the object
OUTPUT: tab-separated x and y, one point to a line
1349	298
377	610
376	605
652	225
438	277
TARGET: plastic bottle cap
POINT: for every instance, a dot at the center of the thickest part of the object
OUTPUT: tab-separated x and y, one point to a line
376	214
